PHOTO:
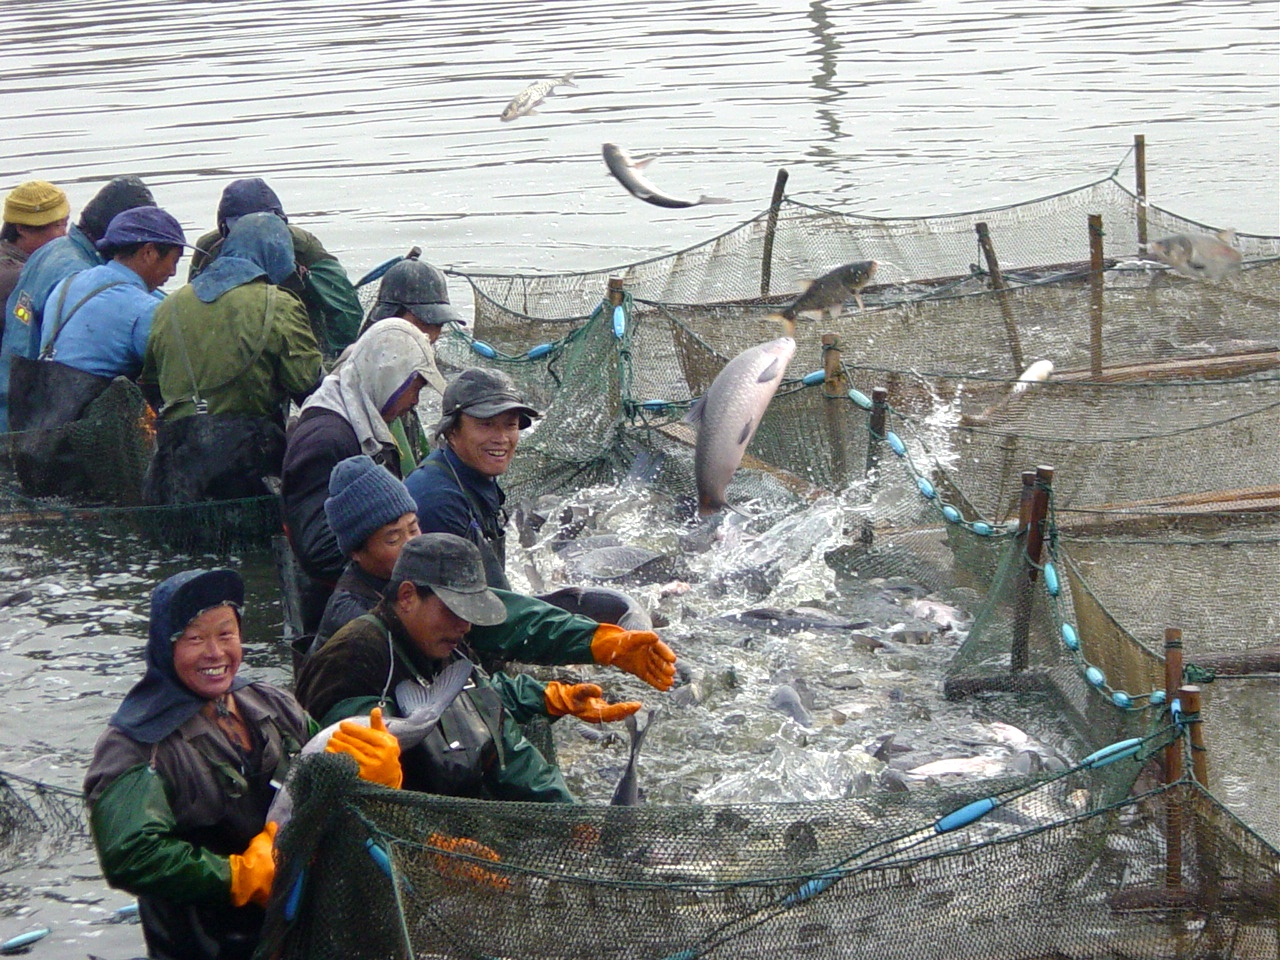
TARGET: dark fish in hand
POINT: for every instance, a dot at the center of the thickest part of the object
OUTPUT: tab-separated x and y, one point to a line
627	793
833	289
627	172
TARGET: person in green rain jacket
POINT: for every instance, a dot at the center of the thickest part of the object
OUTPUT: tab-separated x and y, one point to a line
333	307
226	353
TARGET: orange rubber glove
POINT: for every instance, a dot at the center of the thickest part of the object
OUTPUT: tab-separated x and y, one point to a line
375	750
638	652
253	871
586	702
461	869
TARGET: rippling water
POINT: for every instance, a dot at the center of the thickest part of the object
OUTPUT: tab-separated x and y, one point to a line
377	123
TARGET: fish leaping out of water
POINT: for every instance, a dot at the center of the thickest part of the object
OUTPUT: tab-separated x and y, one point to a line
627	172
1198	256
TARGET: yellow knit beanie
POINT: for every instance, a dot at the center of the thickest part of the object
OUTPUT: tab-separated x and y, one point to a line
35	204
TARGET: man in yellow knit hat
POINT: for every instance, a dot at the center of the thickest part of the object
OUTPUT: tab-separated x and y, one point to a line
35	212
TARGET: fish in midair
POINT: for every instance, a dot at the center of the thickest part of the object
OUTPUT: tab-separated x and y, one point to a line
421	708
833	289
627	172
727	415
527	100
1038	372
1199	256
627	792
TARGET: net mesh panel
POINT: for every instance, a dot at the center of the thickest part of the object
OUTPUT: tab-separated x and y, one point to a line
1049	874
38	820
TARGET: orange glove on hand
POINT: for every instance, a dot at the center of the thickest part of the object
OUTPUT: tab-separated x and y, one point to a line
586	702
461	869
253	870
373	748
638	652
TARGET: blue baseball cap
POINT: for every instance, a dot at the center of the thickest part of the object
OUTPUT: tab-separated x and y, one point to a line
142	225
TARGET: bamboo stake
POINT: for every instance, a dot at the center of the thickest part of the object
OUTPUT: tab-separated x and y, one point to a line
835	385
998	283
1172	762
1018	649
766	256
876	426
1140	177
1096	278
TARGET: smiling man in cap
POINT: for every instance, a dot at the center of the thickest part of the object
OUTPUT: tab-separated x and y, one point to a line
437	591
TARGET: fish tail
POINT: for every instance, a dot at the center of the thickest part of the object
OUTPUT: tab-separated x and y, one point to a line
567	79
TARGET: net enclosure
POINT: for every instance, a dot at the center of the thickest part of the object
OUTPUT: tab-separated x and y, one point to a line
1115	511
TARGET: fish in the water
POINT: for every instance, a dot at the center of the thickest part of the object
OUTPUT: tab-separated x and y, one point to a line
959	766
727	415
602	605
833	289
786	700
627	172
421	707
627	792
1199	256
527	100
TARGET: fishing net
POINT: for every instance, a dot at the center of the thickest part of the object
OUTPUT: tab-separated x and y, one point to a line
37	819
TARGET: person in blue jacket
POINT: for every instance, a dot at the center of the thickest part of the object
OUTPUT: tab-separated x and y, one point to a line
56	260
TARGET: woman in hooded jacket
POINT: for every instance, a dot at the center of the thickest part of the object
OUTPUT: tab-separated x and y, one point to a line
226	354
182	779
348	415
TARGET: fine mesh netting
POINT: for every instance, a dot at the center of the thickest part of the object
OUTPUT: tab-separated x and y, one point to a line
37	819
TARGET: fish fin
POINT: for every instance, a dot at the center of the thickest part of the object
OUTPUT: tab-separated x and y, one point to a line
769	372
747	429
788	323
410	696
567	79
641	164
706	199
694	416
1227	236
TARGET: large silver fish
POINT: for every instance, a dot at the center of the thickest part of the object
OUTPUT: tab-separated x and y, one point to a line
728	414
627	172
1199	256
421	706
527	100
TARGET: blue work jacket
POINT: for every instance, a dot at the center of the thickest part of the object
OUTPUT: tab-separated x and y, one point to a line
107	333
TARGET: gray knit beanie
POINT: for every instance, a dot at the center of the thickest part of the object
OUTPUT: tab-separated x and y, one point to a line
363	497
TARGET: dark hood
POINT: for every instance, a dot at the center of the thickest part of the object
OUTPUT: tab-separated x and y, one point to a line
259	245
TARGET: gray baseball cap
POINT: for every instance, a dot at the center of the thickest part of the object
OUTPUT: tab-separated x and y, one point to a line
454	570
482	393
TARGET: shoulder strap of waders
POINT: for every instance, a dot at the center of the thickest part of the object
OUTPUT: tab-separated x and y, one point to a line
202	406
46	353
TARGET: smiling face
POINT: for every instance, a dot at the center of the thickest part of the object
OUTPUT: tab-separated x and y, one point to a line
486	445
207	654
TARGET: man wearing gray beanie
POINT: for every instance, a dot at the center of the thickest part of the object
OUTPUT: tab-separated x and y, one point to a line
373	517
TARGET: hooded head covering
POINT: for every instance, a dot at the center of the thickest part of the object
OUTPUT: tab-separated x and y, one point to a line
121	194
243	197
35	203
259	245
380	366
160	703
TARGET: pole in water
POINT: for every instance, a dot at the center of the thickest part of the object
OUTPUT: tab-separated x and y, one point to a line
1172	763
766	254
1140	182
1096	291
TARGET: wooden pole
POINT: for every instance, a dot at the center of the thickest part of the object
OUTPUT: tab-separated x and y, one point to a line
835	385
615	291
1096	278
766	256
876	426
1019	655
1172	762
1039	519
1190	696
997	283
1140	177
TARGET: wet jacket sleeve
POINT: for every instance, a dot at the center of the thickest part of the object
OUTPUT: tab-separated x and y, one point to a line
328	285
298	367
133	826
536	632
525	774
524	697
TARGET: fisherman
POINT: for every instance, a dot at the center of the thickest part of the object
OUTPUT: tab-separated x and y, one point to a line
181	781
436	593
56	260
35	212
349	414
456	487
227	352
373	517
321	282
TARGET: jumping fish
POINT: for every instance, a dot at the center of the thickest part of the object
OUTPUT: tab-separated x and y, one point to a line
627	173
627	792
1038	372
832	289
1198	256
728	414
531	97
422	708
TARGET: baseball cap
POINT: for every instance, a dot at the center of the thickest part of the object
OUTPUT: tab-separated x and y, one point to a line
142	225
454	570
482	393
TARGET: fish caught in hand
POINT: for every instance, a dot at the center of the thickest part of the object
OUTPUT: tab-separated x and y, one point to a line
627	792
531	97
627	172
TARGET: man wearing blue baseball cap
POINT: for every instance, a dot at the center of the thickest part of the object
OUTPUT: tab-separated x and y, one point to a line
95	329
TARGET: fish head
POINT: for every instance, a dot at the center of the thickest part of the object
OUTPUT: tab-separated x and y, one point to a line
784	348
1174	251
857	275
